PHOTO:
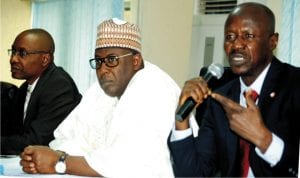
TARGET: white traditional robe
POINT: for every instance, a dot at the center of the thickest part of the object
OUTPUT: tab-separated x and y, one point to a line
126	137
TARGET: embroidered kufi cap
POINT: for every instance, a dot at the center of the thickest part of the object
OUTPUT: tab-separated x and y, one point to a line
117	33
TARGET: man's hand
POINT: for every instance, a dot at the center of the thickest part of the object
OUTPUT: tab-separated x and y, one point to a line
39	159
197	89
246	122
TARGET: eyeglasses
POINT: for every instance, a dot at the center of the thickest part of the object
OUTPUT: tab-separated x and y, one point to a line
110	61
23	53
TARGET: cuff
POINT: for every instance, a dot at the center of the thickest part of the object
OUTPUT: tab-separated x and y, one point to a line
180	134
274	151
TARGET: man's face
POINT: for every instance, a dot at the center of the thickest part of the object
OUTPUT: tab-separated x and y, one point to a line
247	44
28	67
114	80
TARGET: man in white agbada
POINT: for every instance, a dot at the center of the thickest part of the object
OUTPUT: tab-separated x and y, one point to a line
113	132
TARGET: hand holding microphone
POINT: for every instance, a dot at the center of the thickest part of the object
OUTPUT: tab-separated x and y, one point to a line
214	70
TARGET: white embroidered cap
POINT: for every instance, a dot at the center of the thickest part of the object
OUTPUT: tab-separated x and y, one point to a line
118	33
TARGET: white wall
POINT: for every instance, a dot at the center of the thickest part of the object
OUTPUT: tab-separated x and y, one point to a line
15	17
166	27
206	26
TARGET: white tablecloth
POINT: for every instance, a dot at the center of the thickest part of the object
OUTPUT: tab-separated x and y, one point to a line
11	168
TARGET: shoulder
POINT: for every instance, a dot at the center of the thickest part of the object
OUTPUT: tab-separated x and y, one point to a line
56	82
229	87
57	77
287	73
152	83
293	71
157	75
287	70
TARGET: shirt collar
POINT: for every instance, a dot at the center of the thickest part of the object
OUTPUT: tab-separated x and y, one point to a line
31	87
257	84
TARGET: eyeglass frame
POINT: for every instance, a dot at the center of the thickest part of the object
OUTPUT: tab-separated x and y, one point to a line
23	52
105	59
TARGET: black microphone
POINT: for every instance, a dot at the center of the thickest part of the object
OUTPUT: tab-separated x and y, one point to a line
214	70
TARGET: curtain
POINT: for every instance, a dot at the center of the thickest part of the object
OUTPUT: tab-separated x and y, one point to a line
73	25
289	38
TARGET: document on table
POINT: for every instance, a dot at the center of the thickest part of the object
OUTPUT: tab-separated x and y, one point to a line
12	168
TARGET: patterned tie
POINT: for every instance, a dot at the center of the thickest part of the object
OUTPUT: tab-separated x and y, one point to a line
245	148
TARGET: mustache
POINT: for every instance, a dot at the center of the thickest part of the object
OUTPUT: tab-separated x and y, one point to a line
237	53
15	67
104	79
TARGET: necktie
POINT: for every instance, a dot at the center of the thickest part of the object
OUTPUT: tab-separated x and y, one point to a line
245	148
28	94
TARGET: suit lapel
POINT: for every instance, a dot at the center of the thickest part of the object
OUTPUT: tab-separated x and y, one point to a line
20	102
35	93
271	87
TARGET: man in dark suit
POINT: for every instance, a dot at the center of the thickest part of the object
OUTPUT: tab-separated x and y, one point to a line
240	136
47	96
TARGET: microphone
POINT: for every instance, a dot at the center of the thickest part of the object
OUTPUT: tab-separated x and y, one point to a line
214	70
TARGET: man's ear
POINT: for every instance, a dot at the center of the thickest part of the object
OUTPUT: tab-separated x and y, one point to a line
46	59
273	41
137	61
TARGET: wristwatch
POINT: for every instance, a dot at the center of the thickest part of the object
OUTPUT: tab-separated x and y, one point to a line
60	166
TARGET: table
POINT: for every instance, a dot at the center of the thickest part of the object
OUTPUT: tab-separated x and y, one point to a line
11	168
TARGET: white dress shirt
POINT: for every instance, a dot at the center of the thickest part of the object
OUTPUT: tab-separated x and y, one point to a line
30	89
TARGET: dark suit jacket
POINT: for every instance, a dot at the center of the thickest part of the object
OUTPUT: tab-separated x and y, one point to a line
9	92
216	147
213	84
53	98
